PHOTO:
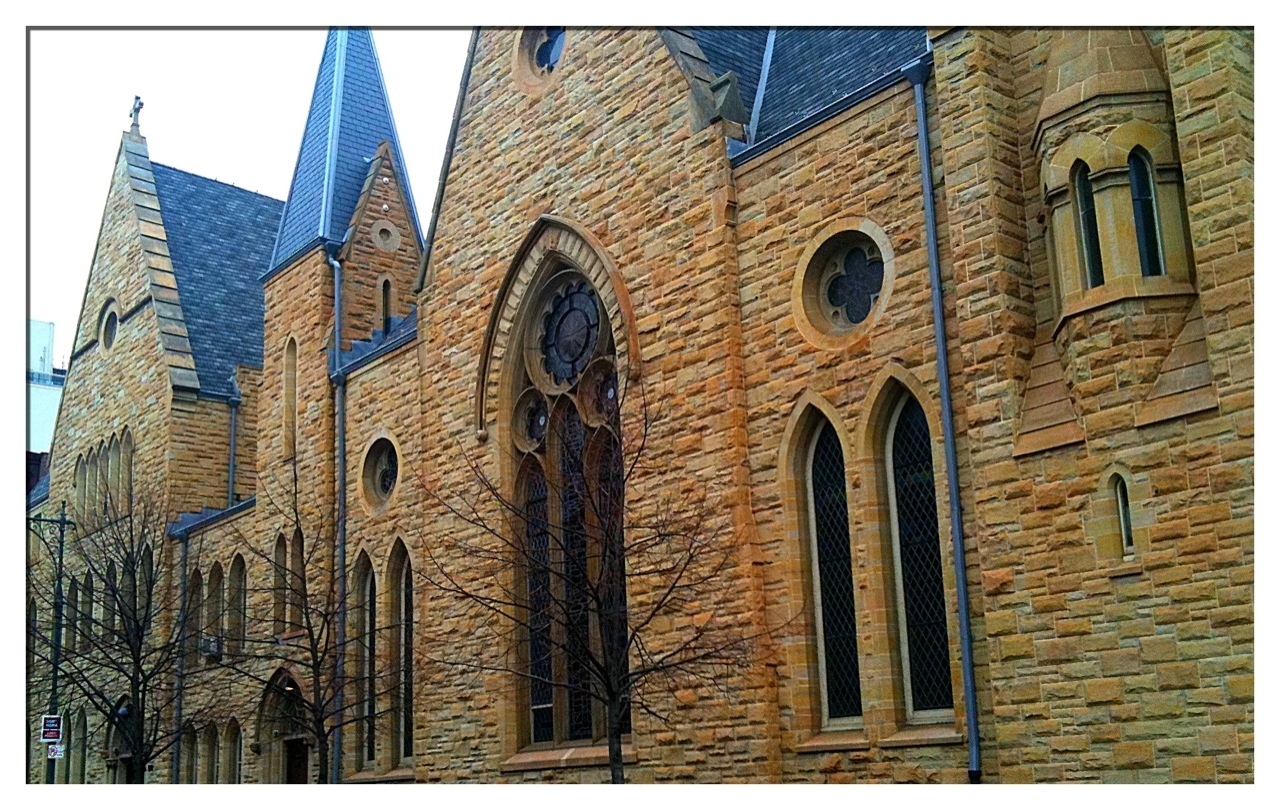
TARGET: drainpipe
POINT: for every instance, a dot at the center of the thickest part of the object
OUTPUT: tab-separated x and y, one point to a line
339	380
234	404
917	72
176	774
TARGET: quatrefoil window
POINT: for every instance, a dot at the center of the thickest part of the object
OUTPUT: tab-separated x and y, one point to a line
853	285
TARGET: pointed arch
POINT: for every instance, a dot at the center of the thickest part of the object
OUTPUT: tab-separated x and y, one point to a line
297	581
213	602
905	503
79	749
194	618
364	587
209	755
110	601
553	237
281	722
290	395
237	606
401	600
232	752
813	468
113	474
126	470
279	585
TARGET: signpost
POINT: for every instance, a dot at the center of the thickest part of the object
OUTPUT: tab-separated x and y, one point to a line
51	729
57	751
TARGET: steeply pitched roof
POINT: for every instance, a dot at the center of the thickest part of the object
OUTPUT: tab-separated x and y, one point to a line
738	49
349	117
220	240
39	493
810	68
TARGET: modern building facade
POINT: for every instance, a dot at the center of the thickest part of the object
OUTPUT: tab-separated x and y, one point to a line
951	329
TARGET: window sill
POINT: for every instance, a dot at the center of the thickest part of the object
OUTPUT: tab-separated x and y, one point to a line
1118	289
1123	569
835	741
402	774
582	757
923	735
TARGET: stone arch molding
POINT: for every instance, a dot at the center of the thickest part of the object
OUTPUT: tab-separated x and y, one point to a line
552	239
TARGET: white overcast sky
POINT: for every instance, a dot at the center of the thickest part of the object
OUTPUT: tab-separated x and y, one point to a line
226	104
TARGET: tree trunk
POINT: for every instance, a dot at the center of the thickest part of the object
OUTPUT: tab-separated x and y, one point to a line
616	775
322	759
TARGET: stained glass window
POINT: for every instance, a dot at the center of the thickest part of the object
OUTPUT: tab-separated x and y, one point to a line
572	485
837	622
918	558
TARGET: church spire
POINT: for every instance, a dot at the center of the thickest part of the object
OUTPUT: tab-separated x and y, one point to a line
349	117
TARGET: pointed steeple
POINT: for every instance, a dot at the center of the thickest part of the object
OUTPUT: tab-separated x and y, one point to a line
349	117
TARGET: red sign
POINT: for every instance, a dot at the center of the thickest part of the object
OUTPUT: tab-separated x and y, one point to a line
51	728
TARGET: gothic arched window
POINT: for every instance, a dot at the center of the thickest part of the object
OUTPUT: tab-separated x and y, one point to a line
835	618
565	431
1087	225
237	606
917	565
1145	222
290	397
279	584
213	606
401	580
366	680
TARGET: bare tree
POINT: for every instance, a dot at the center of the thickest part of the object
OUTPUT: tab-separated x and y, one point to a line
291	630
581	588
122	635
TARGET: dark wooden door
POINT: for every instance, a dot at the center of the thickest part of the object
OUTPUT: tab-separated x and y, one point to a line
295	762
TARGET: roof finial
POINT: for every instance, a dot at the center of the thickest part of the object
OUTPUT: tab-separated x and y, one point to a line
134	112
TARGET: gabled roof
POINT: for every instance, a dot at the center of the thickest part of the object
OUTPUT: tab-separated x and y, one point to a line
808	69
349	116
219	238
39	493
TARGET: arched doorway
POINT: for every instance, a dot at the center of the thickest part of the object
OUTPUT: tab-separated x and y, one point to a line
283	746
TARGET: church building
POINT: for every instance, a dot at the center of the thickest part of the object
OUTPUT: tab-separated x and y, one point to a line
885	395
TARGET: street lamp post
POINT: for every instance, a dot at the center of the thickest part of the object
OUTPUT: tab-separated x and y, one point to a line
62	523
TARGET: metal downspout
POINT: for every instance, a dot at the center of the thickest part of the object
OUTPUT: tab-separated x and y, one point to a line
234	404
176	774
340	439
916	73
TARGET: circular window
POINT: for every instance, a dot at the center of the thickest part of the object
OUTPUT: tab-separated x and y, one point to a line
386	236
842	286
538	57
381	469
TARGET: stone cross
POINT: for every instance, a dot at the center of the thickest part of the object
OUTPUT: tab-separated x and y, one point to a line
135	111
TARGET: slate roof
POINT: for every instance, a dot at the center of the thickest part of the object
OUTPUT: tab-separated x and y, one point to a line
39	493
400	331
220	239
810	68
349	116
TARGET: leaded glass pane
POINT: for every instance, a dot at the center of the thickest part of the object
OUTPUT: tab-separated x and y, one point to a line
920	561
613	583
1144	214
370	674
1088	226
539	585
835	576
406	670
573	520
